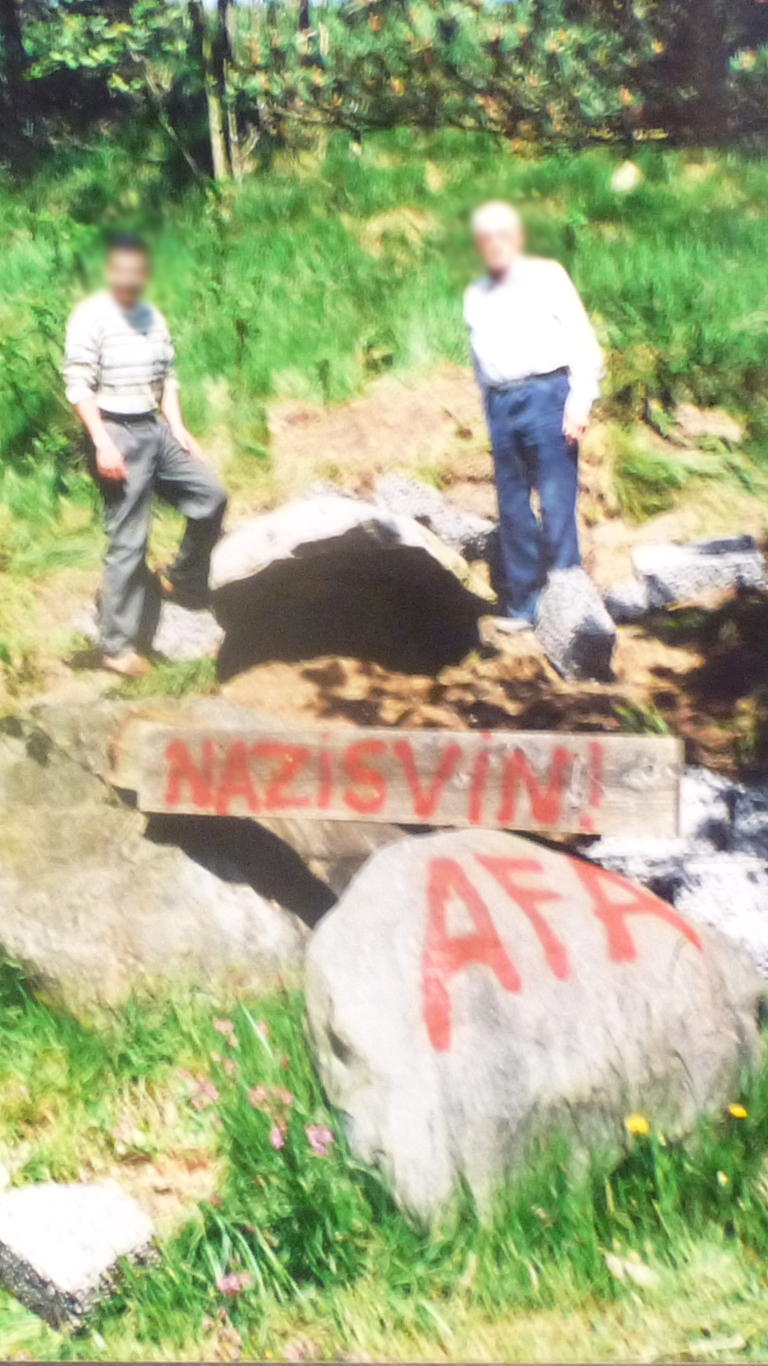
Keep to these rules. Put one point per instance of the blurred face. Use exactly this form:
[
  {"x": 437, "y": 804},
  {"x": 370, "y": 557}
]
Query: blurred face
[
  {"x": 127, "y": 274},
  {"x": 499, "y": 246}
]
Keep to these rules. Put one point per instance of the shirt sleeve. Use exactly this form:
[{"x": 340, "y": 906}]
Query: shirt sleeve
[
  {"x": 585, "y": 358},
  {"x": 80, "y": 367},
  {"x": 482, "y": 383}
]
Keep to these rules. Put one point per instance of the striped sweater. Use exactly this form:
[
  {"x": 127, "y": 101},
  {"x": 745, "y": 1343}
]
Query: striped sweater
[{"x": 124, "y": 358}]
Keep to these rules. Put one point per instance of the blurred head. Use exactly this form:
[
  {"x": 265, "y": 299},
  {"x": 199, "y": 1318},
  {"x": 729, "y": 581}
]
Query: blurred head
[
  {"x": 127, "y": 269},
  {"x": 499, "y": 236}
]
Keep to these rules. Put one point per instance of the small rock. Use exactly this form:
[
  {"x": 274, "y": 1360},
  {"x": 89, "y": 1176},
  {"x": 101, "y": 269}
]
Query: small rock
[
  {"x": 694, "y": 423},
  {"x": 180, "y": 634},
  {"x": 473, "y": 989},
  {"x": 408, "y": 497},
  {"x": 626, "y": 178},
  {"x": 59, "y": 1245},
  {"x": 573, "y": 626},
  {"x": 680, "y": 573},
  {"x": 627, "y": 602}
]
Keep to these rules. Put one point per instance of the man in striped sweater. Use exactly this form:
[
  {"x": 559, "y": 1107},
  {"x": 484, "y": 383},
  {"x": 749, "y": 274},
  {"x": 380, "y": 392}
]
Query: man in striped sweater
[{"x": 119, "y": 375}]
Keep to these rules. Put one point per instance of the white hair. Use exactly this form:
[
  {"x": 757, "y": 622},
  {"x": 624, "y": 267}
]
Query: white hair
[{"x": 495, "y": 216}]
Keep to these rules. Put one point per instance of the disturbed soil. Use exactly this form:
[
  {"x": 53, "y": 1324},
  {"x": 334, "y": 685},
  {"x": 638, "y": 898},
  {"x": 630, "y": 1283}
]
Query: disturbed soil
[{"x": 700, "y": 673}]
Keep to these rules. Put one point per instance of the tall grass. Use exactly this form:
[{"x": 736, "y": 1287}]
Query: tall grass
[{"x": 330, "y": 265}]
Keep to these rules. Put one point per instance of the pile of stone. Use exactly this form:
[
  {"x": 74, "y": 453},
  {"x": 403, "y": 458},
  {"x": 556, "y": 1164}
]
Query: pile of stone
[{"x": 716, "y": 871}]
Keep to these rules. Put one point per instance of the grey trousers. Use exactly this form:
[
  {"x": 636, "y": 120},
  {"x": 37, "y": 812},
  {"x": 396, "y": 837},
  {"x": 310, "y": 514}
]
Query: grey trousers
[{"x": 129, "y": 601}]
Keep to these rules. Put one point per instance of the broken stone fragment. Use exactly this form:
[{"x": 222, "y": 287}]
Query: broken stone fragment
[
  {"x": 627, "y": 602},
  {"x": 573, "y": 626},
  {"x": 409, "y": 497},
  {"x": 329, "y": 575},
  {"x": 680, "y": 573},
  {"x": 60, "y": 1245}
]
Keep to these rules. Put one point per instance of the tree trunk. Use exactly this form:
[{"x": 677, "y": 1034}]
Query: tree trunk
[
  {"x": 14, "y": 56},
  {"x": 222, "y": 166}
]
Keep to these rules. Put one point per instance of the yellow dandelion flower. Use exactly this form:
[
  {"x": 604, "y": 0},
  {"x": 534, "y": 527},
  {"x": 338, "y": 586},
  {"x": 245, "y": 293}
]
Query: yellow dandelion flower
[
  {"x": 637, "y": 1124},
  {"x": 722, "y": 1179},
  {"x": 738, "y": 1111}
]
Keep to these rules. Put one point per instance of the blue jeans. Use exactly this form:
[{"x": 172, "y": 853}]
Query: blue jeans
[{"x": 530, "y": 452}]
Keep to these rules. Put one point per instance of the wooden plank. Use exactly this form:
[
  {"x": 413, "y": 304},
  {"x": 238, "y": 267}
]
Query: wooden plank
[{"x": 566, "y": 783}]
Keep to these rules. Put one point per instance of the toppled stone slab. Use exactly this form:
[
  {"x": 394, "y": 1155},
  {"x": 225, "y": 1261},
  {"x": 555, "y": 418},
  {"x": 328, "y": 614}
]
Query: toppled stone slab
[
  {"x": 331, "y": 575},
  {"x": 180, "y": 634},
  {"x": 680, "y": 573},
  {"x": 60, "y": 1244},
  {"x": 716, "y": 871},
  {"x": 409, "y": 497},
  {"x": 573, "y": 626},
  {"x": 473, "y": 990}
]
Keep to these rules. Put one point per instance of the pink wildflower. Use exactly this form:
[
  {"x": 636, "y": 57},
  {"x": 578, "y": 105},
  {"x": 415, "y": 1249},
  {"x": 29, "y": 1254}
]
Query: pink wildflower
[
  {"x": 257, "y": 1096},
  {"x": 215, "y": 1057},
  {"x": 205, "y": 1092},
  {"x": 277, "y": 1135},
  {"x": 224, "y": 1026},
  {"x": 230, "y": 1067},
  {"x": 320, "y": 1139},
  {"x": 300, "y": 1349},
  {"x": 282, "y": 1095},
  {"x": 262, "y": 1029},
  {"x": 234, "y": 1283}
]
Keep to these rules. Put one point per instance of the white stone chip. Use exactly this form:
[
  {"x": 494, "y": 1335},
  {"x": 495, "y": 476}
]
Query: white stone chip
[{"x": 59, "y": 1244}]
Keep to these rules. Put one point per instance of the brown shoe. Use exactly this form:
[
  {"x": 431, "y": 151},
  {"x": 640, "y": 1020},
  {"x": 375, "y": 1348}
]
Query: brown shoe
[{"x": 128, "y": 665}]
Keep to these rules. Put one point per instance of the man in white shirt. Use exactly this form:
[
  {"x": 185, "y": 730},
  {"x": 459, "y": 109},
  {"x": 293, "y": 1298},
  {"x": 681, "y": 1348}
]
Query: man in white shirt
[
  {"x": 119, "y": 374},
  {"x": 538, "y": 365}
]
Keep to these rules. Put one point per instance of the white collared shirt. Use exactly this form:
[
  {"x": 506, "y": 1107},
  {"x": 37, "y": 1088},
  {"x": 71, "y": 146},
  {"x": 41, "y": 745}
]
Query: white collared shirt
[{"x": 530, "y": 323}]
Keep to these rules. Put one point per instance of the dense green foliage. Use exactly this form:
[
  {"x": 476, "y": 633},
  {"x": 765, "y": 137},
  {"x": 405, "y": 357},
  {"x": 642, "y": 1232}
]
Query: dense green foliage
[{"x": 217, "y": 85}]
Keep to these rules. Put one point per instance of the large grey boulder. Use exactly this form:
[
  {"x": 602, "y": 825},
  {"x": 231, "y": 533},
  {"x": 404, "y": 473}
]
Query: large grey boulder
[
  {"x": 681, "y": 573},
  {"x": 574, "y": 627},
  {"x": 408, "y": 497},
  {"x": 60, "y": 1245},
  {"x": 716, "y": 870},
  {"x": 331, "y": 575},
  {"x": 473, "y": 990},
  {"x": 97, "y": 910}
]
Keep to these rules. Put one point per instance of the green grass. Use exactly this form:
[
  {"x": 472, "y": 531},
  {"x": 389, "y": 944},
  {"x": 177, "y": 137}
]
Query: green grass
[{"x": 321, "y": 1246}]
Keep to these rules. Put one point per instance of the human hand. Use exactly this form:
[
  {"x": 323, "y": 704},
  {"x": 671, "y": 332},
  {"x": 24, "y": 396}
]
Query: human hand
[
  {"x": 187, "y": 442},
  {"x": 575, "y": 423},
  {"x": 109, "y": 460}
]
